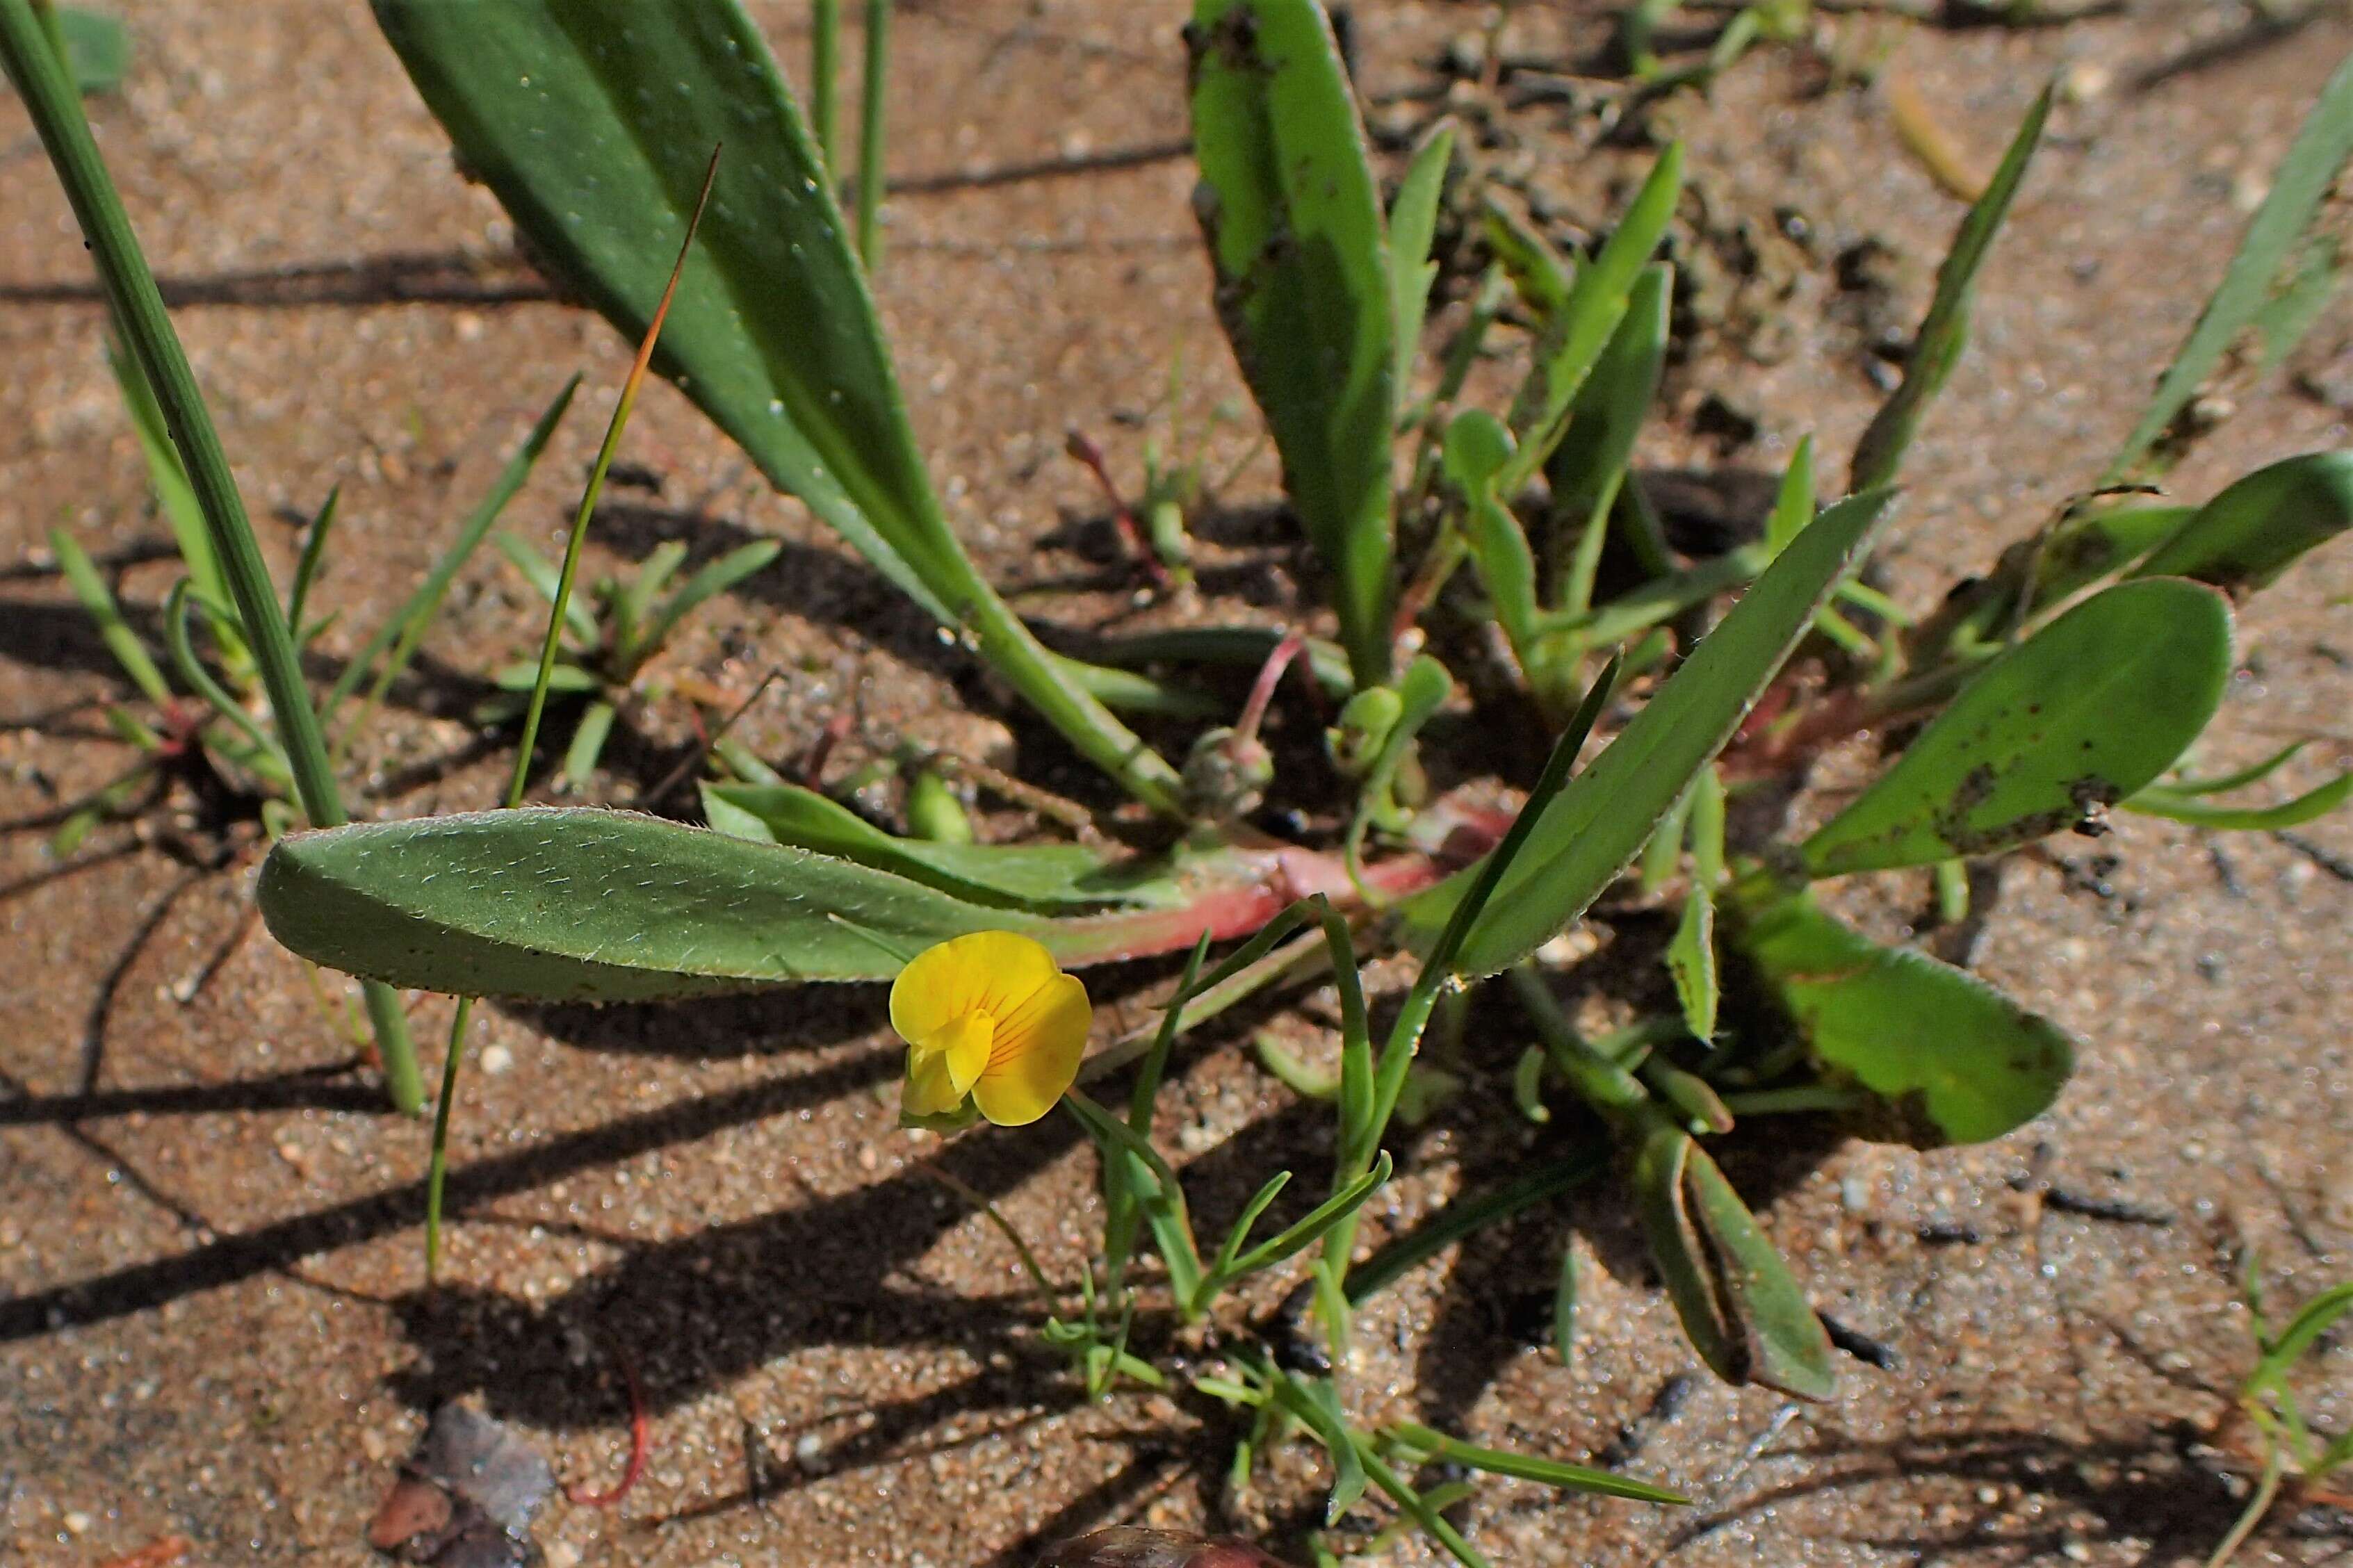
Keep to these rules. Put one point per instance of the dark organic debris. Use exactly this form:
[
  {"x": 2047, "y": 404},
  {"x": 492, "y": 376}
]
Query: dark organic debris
[
  {"x": 465, "y": 1496},
  {"x": 1860, "y": 1345},
  {"x": 1126, "y": 1547}
]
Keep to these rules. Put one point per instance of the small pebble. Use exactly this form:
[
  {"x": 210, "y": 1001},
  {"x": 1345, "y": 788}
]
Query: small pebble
[
  {"x": 497, "y": 1060},
  {"x": 77, "y": 1522}
]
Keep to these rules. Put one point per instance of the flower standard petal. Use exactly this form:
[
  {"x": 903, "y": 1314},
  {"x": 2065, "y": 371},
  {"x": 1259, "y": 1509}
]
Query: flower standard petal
[
  {"x": 1035, "y": 1056},
  {"x": 992, "y": 972}
]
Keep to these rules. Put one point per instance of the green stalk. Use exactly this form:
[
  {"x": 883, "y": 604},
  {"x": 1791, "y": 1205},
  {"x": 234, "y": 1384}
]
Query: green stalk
[
  {"x": 825, "y": 73},
  {"x": 437, "y": 1169},
  {"x": 145, "y": 326},
  {"x": 870, "y": 135}
]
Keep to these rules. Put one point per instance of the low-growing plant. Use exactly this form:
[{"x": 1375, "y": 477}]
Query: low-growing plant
[
  {"x": 2295, "y": 1458},
  {"x": 602, "y": 663},
  {"x": 2062, "y": 686}
]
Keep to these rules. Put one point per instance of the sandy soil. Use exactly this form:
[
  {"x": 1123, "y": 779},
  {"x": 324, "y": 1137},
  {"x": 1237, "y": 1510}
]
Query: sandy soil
[{"x": 210, "y": 1274}]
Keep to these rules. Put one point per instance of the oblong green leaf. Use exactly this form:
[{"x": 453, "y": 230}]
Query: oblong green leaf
[
  {"x": 1595, "y": 826},
  {"x": 1292, "y": 217},
  {"x": 1954, "y": 1060},
  {"x": 1041, "y": 877},
  {"x": 2255, "y": 530},
  {"x": 2088, "y": 711}
]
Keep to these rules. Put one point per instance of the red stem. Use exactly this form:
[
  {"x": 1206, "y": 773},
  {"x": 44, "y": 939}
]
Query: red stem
[
  {"x": 640, "y": 1441},
  {"x": 1092, "y": 456},
  {"x": 1270, "y": 675}
]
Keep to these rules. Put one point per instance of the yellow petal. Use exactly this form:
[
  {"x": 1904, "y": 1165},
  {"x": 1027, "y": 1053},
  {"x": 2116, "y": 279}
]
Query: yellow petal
[
  {"x": 1036, "y": 1054},
  {"x": 992, "y": 972},
  {"x": 965, "y": 1047},
  {"x": 929, "y": 1092}
]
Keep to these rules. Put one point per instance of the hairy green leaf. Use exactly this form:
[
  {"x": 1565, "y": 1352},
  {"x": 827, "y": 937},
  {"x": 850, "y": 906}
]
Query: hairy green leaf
[
  {"x": 2091, "y": 708},
  {"x": 1293, "y": 218}
]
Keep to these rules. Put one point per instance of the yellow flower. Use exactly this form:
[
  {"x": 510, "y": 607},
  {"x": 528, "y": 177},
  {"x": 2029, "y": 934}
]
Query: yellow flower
[{"x": 988, "y": 1016}]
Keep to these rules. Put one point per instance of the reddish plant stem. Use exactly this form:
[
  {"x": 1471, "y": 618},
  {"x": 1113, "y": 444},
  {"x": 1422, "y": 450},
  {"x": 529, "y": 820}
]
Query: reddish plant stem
[
  {"x": 171, "y": 1549},
  {"x": 1270, "y": 675},
  {"x": 1090, "y": 456},
  {"x": 640, "y": 1441}
]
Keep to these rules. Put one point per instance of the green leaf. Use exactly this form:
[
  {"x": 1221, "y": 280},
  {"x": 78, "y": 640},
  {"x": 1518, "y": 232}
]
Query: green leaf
[
  {"x": 1039, "y": 878},
  {"x": 708, "y": 582},
  {"x": 1597, "y": 825},
  {"x": 1477, "y": 449},
  {"x": 1317, "y": 1405},
  {"x": 1532, "y": 1467},
  {"x": 2186, "y": 806},
  {"x": 587, "y": 745},
  {"x": 2273, "y": 238},
  {"x": 1413, "y": 218},
  {"x": 2255, "y": 530},
  {"x": 590, "y": 905},
  {"x": 1945, "y": 332},
  {"x": 1574, "y": 340},
  {"x": 98, "y": 49},
  {"x": 2087, "y": 712},
  {"x": 1536, "y": 272},
  {"x": 98, "y": 603},
  {"x": 406, "y": 629},
  {"x": 1587, "y": 469},
  {"x": 1793, "y": 503},
  {"x": 1740, "y": 1308},
  {"x": 1293, "y": 218},
  {"x": 175, "y": 498},
  {"x": 593, "y": 122},
  {"x": 579, "y": 620},
  {"x": 1691, "y": 961},
  {"x": 1954, "y": 1060}
]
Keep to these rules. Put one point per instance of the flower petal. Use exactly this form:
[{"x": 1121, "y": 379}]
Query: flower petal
[
  {"x": 965, "y": 1047},
  {"x": 992, "y": 972},
  {"x": 928, "y": 1091},
  {"x": 1036, "y": 1054}
]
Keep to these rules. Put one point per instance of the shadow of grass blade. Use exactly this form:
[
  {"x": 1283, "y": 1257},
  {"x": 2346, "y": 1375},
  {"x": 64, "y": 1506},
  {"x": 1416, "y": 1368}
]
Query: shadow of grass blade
[
  {"x": 1597, "y": 825},
  {"x": 591, "y": 121},
  {"x": 1293, "y": 218},
  {"x": 137, "y": 306}
]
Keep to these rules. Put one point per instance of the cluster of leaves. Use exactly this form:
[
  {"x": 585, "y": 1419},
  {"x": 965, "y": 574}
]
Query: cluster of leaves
[{"x": 2068, "y": 681}]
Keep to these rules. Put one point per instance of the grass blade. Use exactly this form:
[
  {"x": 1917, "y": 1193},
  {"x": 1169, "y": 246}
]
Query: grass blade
[
  {"x": 2303, "y": 183},
  {"x": 98, "y": 603},
  {"x": 870, "y": 135},
  {"x": 306, "y": 570},
  {"x": 146, "y": 328},
  {"x": 1944, "y": 333}
]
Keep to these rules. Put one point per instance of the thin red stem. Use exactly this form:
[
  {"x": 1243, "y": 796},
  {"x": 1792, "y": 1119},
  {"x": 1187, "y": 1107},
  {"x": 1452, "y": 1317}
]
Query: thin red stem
[
  {"x": 1270, "y": 675},
  {"x": 1123, "y": 517},
  {"x": 640, "y": 1441}
]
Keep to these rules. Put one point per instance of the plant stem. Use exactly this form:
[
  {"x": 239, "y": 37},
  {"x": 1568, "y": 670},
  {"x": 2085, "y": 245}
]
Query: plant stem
[
  {"x": 824, "y": 72},
  {"x": 146, "y": 327},
  {"x": 870, "y": 135}
]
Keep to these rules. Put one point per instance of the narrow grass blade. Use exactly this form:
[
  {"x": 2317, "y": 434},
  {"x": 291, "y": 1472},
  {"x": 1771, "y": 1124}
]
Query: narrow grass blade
[
  {"x": 870, "y": 122},
  {"x": 146, "y": 328},
  {"x": 2297, "y": 190},
  {"x": 1466, "y": 1216},
  {"x": 716, "y": 578},
  {"x": 98, "y": 603},
  {"x": 1588, "y": 832},
  {"x": 1944, "y": 333},
  {"x": 1598, "y": 301},
  {"x": 1587, "y": 469},
  {"x": 588, "y": 740},
  {"x": 2182, "y": 807},
  {"x": 1413, "y": 218},
  {"x": 314, "y": 550},
  {"x": 1532, "y": 1467}
]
